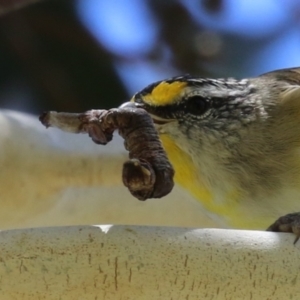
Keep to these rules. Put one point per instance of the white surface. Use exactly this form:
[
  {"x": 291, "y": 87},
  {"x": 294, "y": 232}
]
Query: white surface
[{"x": 127, "y": 262}]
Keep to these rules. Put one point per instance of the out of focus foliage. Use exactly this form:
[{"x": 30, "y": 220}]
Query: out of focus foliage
[{"x": 75, "y": 55}]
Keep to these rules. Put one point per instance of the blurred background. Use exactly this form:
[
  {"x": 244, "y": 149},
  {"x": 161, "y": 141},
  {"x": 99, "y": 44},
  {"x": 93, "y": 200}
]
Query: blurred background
[{"x": 75, "y": 55}]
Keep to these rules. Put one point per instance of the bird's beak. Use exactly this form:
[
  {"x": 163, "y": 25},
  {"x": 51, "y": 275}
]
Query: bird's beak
[
  {"x": 156, "y": 119},
  {"x": 131, "y": 104}
]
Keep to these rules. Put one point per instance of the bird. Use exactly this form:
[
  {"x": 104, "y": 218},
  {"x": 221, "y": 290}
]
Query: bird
[{"x": 234, "y": 144}]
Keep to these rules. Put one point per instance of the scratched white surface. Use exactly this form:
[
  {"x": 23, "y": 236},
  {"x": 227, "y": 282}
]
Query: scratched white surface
[{"x": 146, "y": 263}]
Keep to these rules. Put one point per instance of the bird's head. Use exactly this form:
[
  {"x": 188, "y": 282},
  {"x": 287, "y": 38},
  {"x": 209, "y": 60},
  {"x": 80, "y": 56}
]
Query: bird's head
[{"x": 196, "y": 109}]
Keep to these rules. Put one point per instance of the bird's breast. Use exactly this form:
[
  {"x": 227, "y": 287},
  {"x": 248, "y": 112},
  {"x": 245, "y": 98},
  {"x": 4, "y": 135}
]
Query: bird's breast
[{"x": 229, "y": 205}]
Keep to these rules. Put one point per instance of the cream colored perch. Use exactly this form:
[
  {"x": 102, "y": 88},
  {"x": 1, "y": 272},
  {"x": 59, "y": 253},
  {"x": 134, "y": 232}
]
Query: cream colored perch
[
  {"x": 147, "y": 263},
  {"x": 51, "y": 178}
]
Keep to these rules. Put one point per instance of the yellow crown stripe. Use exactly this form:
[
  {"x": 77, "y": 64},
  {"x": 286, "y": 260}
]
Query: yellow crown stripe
[{"x": 165, "y": 93}]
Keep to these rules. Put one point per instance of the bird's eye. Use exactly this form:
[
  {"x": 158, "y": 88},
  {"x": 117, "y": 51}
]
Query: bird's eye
[{"x": 197, "y": 105}]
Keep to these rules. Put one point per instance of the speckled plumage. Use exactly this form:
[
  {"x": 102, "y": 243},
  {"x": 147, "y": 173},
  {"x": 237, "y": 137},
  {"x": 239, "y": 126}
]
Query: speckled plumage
[{"x": 235, "y": 144}]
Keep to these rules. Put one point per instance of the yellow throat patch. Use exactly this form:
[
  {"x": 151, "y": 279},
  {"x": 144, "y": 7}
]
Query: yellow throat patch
[{"x": 191, "y": 179}]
